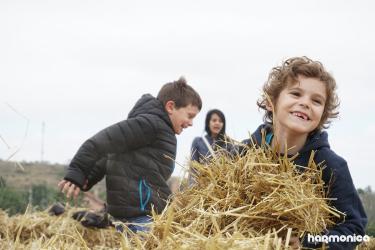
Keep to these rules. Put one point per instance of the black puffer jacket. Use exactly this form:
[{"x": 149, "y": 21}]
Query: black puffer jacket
[{"x": 136, "y": 155}]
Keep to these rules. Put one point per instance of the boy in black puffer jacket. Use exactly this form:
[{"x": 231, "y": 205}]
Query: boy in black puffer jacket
[{"x": 136, "y": 155}]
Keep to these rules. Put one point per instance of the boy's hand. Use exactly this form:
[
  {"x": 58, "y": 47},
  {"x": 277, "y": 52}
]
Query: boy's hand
[
  {"x": 295, "y": 243},
  {"x": 69, "y": 189}
]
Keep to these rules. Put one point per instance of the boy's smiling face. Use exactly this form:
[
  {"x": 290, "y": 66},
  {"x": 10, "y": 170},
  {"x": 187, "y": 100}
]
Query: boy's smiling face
[
  {"x": 181, "y": 117},
  {"x": 299, "y": 107}
]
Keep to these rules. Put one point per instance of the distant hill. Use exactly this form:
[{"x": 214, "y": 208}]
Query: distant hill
[{"x": 23, "y": 175}]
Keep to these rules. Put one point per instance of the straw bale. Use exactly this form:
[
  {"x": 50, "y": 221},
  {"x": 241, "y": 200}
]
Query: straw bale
[
  {"x": 260, "y": 192},
  {"x": 39, "y": 230},
  {"x": 3, "y": 224},
  {"x": 238, "y": 201},
  {"x": 370, "y": 245},
  {"x": 254, "y": 201},
  {"x": 169, "y": 234}
]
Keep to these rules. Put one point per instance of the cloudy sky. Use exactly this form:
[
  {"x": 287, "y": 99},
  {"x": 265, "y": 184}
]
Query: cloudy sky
[{"x": 79, "y": 66}]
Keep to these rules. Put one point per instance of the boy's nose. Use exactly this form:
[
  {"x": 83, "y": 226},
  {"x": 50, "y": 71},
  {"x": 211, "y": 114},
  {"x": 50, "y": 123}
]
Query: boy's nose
[
  {"x": 304, "y": 102},
  {"x": 305, "y": 106}
]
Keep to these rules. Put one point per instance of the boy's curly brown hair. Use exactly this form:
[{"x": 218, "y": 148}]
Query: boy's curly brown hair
[{"x": 281, "y": 76}]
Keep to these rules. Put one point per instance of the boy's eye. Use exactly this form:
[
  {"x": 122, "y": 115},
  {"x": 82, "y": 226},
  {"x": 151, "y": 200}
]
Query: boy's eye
[
  {"x": 295, "y": 93},
  {"x": 317, "y": 102}
]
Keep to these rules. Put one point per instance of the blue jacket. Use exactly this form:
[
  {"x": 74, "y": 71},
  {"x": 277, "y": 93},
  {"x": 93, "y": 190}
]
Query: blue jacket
[
  {"x": 341, "y": 187},
  {"x": 200, "y": 151}
]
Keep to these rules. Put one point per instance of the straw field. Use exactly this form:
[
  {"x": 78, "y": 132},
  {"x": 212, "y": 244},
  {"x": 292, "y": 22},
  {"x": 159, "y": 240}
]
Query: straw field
[{"x": 259, "y": 200}]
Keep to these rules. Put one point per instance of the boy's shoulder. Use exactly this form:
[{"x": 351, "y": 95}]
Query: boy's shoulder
[
  {"x": 147, "y": 105},
  {"x": 334, "y": 166},
  {"x": 150, "y": 109},
  {"x": 331, "y": 162},
  {"x": 319, "y": 142},
  {"x": 329, "y": 156},
  {"x": 256, "y": 136}
]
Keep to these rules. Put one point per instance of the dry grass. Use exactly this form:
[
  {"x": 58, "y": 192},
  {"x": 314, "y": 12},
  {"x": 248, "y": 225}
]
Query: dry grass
[
  {"x": 245, "y": 198},
  {"x": 368, "y": 245},
  {"x": 42, "y": 231},
  {"x": 257, "y": 201}
]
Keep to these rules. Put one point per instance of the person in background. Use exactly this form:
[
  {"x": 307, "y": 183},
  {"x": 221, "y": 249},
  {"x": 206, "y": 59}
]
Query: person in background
[{"x": 206, "y": 147}]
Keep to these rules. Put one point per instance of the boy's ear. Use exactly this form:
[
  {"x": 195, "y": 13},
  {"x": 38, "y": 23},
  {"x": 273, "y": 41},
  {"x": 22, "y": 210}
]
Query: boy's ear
[
  {"x": 269, "y": 106},
  {"x": 169, "y": 107}
]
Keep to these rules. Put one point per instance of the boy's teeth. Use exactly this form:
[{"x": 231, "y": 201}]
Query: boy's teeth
[{"x": 300, "y": 115}]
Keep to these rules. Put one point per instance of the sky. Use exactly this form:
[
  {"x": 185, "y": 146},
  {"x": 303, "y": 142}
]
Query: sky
[{"x": 80, "y": 66}]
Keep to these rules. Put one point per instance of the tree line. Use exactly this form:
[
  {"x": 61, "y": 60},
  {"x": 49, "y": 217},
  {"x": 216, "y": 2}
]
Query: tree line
[{"x": 40, "y": 197}]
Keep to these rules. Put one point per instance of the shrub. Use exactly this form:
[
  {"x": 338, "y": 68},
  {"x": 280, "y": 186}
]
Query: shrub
[{"x": 12, "y": 201}]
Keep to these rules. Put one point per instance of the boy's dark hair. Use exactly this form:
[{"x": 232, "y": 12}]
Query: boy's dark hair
[
  {"x": 280, "y": 77},
  {"x": 221, "y": 135},
  {"x": 181, "y": 93}
]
